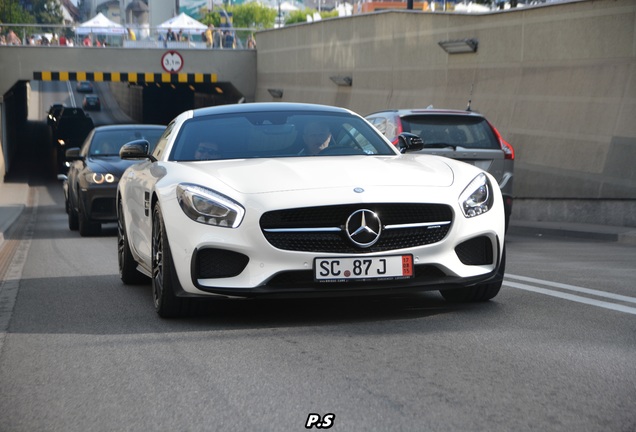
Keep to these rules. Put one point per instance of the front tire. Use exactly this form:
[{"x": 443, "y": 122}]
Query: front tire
[
  {"x": 73, "y": 218},
  {"x": 164, "y": 277},
  {"x": 478, "y": 293},
  {"x": 127, "y": 264}
]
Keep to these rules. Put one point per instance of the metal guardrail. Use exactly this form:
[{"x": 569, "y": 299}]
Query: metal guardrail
[{"x": 141, "y": 37}]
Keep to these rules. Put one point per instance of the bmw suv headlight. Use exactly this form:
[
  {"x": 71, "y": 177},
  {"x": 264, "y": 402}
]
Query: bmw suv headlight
[
  {"x": 477, "y": 198},
  {"x": 99, "y": 178},
  {"x": 209, "y": 207}
]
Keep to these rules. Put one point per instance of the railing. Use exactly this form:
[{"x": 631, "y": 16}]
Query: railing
[{"x": 125, "y": 37}]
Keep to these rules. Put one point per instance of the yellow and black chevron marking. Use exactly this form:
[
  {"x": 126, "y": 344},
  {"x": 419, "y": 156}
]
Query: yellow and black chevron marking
[{"x": 131, "y": 77}]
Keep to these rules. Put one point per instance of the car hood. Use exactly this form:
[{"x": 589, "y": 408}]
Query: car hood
[
  {"x": 251, "y": 176},
  {"x": 109, "y": 164}
]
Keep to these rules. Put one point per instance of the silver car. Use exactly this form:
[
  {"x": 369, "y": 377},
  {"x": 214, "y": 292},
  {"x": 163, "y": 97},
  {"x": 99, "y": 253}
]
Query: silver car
[{"x": 462, "y": 135}]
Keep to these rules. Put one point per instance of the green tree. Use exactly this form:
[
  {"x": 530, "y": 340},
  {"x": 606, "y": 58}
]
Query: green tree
[
  {"x": 13, "y": 13},
  {"x": 252, "y": 15},
  {"x": 48, "y": 12},
  {"x": 300, "y": 16},
  {"x": 213, "y": 18},
  {"x": 248, "y": 15}
]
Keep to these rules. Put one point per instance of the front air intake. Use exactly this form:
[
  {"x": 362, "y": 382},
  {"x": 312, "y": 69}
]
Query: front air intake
[
  {"x": 476, "y": 251},
  {"x": 218, "y": 263}
]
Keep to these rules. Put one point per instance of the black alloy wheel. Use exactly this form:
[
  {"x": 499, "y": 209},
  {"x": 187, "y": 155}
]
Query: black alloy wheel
[
  {"x": 164, "y": 277},
  {"x": 127, "y": 264}
]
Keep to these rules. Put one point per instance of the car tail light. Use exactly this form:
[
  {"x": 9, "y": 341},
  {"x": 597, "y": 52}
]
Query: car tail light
[
  {"x": 398, "y": 131},
  {"x": 509, "y": 152}
]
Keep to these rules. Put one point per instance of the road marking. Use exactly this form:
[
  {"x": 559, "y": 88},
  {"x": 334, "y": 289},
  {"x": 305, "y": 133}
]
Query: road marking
[
  {"x": 573, "y": 297},
  {"x": 574, "y": 288},
  {"x": 71, "y": 95}
]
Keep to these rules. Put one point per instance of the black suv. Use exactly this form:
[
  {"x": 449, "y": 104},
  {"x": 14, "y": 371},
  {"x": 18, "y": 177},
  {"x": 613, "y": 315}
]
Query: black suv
[{"x": 72, "y": 127}]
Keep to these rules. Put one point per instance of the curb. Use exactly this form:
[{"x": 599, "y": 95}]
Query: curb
[{"x": 623, "y": 235}]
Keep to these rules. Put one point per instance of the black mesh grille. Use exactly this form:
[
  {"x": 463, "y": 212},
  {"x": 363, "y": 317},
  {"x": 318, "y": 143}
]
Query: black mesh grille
[
  {"x": 336, "y": 217},
  {"x": 219, "y": 263},
  {"x": 103, "y": 207},
  {"x": 476, "y": 251}
]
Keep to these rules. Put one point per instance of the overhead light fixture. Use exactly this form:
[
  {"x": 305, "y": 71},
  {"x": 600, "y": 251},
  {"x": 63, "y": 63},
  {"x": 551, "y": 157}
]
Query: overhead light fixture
[
  {"x": 459, "y": 46},
  {"x": 342, "y": 80},
  {"x": 276, "y": 93}
]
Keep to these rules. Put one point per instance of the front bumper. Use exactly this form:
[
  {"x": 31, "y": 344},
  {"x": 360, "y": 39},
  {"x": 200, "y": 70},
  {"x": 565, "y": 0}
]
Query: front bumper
[
  {"x": 245, "y": 264},
  {"x": 98, "y": 201}
]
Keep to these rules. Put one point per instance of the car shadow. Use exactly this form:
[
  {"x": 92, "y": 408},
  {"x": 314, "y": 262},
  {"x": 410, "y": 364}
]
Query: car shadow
[{"x": 104, "y": 305}]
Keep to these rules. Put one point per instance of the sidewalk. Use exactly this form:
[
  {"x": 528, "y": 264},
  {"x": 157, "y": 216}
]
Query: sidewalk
[{"x": 13, "y": 199}]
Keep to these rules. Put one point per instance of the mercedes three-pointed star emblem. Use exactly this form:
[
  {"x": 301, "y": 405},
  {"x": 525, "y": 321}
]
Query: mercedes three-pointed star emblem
[{"x": 363, "y": 228}]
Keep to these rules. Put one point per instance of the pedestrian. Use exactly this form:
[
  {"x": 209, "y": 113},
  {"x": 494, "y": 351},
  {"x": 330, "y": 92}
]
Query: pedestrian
[
  {"x": 170, "y": 36},
  {"x": 251, "y": 42},
  {"x": 62, "y": 40},
  {"x": 87, "y": 41},
  {"x": 228, "y": 40},
  {"x": 209, "y": 39},
  {"x": 217, "y": 38},
  {"x": 13, "y": 39}
]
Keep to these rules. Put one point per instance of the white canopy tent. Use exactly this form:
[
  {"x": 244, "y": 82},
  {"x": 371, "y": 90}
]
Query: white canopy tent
[
  {"x": 183, "y": 22},
  {"x": 288, "y": 7},
  {"x": 101, "y": 25}
]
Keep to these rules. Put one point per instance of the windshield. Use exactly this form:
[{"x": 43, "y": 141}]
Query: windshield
[
  {"x": 276, "y": 134},
  {"x": 108, "y": 143},
  {"x": 454, "y": 131}
]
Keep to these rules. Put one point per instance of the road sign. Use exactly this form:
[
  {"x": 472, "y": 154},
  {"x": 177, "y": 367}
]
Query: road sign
[{"x": 172, "y": 62}]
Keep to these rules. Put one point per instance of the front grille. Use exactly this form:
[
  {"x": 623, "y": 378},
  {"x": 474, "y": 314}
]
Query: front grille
[
  {"x": 103, "y": 208},
  {"x": 476, "y": 251},
  {"x": 303, "y": 229},
  {"x": 218, "y": 263}
]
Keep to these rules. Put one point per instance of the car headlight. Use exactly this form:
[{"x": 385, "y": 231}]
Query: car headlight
[
  {"x": 477, "y": 198},
  {"x": 209, "y": 207},
  {"x": 99, "y": 178}
]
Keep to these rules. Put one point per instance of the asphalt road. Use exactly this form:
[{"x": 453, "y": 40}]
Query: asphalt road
[{"x": 79, "y": 351}]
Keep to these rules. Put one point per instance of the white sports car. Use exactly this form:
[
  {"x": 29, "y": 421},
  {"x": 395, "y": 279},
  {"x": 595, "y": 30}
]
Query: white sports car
[{"x": 288, "y": 200}]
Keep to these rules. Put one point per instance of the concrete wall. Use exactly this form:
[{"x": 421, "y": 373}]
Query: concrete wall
[{"x": 558, "y": 81}]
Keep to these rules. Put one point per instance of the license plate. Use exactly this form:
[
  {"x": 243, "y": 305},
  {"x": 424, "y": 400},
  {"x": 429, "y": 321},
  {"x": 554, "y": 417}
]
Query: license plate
[{"x": 368, "y": 268}]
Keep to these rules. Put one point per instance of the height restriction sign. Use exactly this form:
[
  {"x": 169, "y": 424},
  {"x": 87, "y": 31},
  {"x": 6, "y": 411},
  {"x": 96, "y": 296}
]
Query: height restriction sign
[{"x": 172, "y": 62}]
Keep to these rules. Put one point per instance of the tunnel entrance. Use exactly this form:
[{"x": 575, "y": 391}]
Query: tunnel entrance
[{"x": 164, "y": 101}]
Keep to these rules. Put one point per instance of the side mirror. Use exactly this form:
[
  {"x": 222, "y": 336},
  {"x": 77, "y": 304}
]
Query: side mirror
[
  {"x": 73, "y": 154},
  {"x": 137, "y": 149},
  {"x": 408, "y": 142}
]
